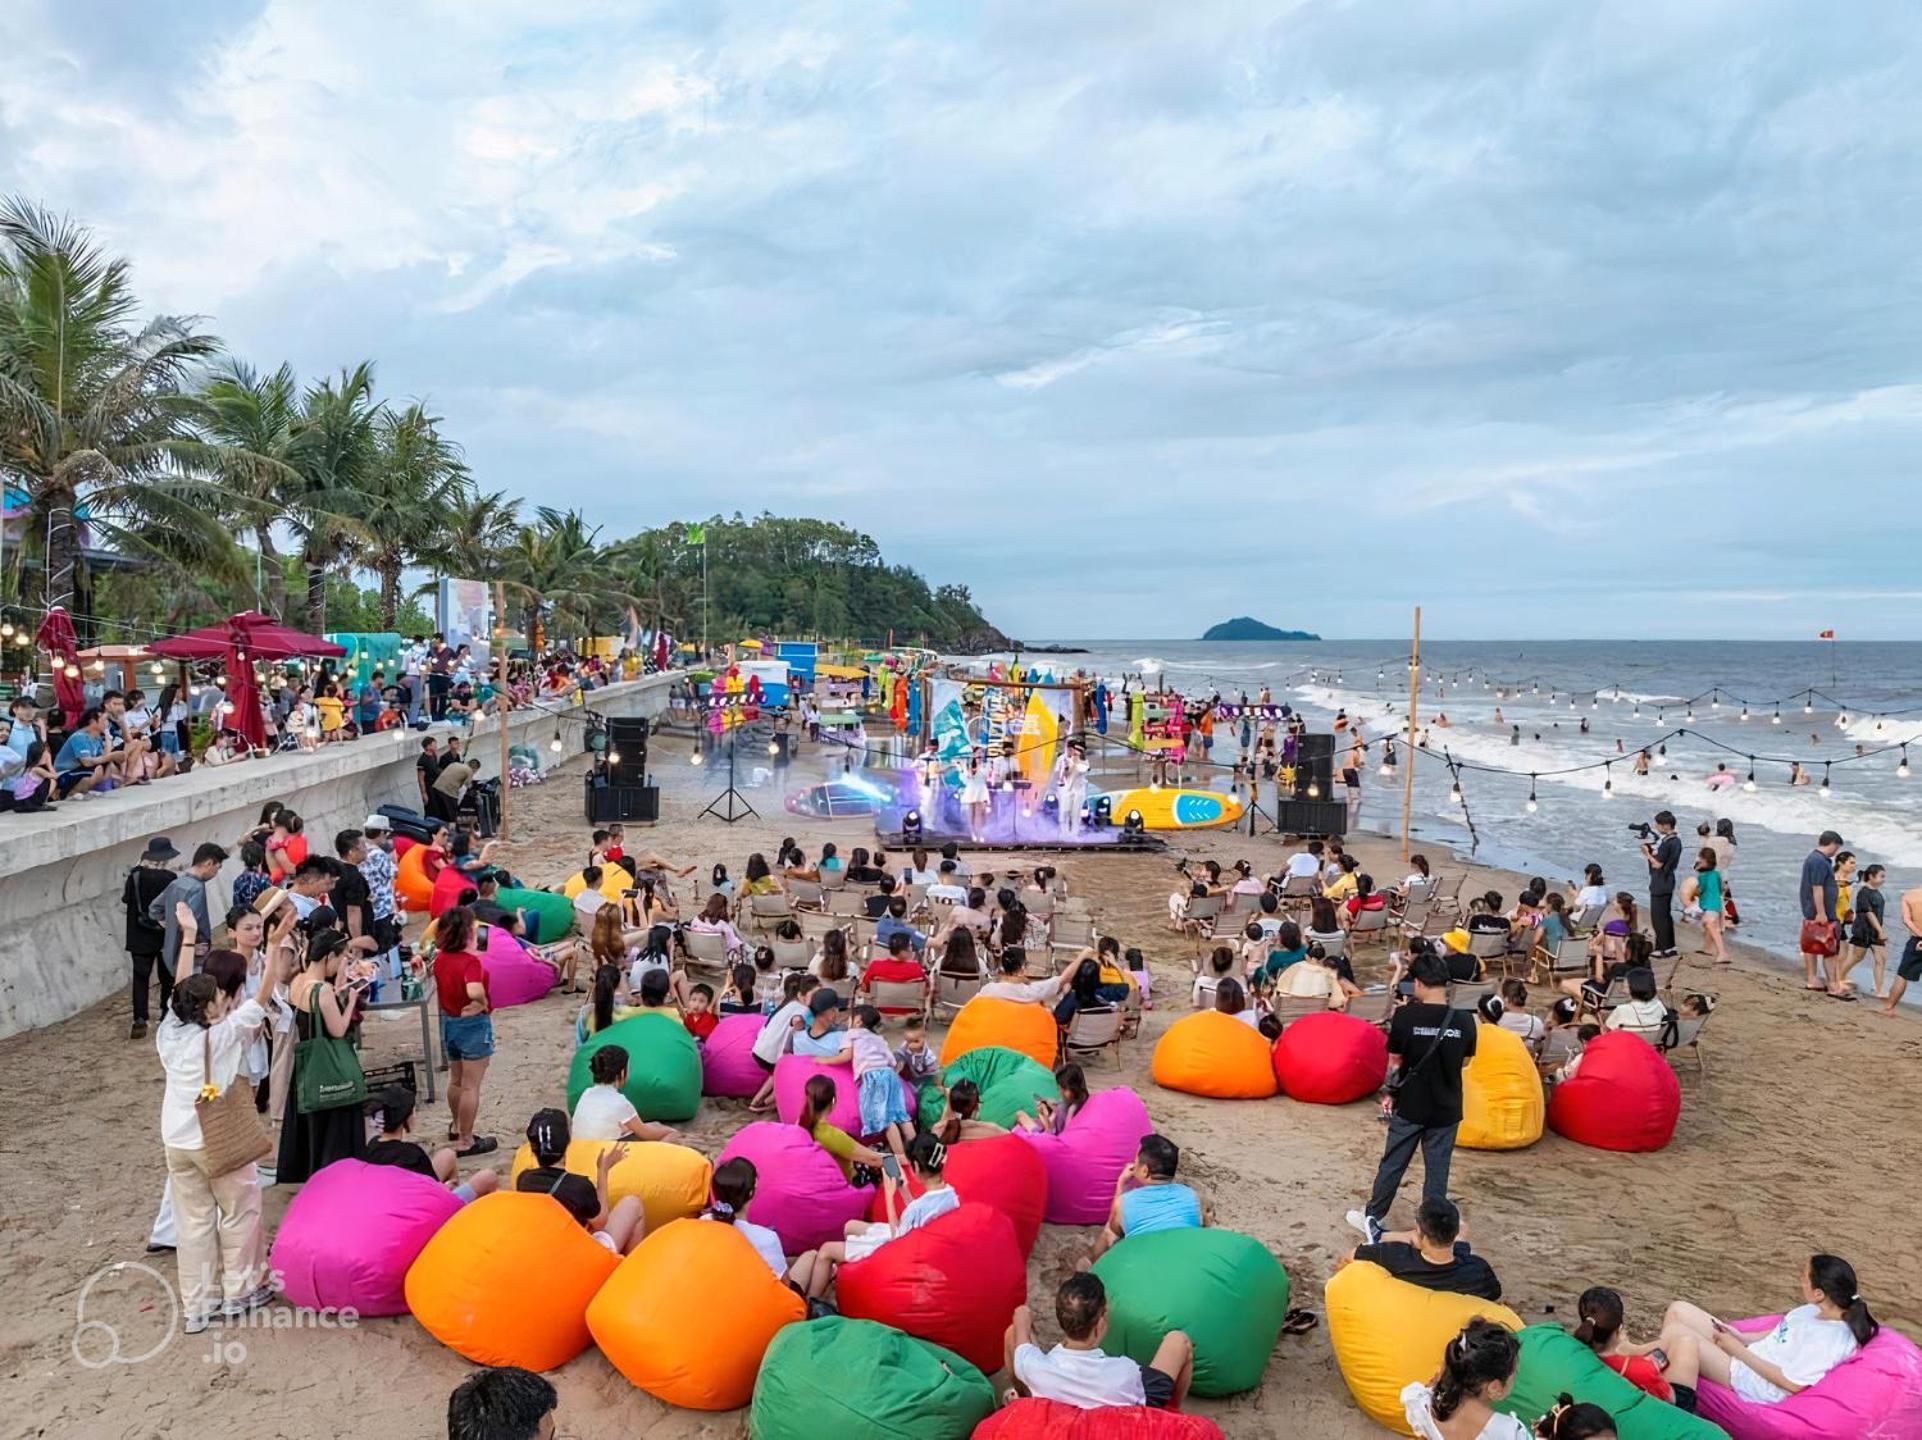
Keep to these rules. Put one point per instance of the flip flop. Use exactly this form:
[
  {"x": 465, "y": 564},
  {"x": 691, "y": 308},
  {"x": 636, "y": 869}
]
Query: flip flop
[
  {"x": 1299, "y": 1322},
  {"x": 1841, "y": 994}
]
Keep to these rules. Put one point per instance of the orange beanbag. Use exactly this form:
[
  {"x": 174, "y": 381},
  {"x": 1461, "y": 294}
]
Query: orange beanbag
[
  {"x": 1209, "y": 1053},
  {"x": 507, "y": 1282},
  {"x": 956, "y": 1281},
  {"x": 410, "y": 879},
  {"x": 1016, "y": 1024},
  {"x": 689, "y": 1314}
]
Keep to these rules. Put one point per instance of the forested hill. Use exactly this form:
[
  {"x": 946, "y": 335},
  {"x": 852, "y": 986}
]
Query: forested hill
[{"x": 805, "y": 577}]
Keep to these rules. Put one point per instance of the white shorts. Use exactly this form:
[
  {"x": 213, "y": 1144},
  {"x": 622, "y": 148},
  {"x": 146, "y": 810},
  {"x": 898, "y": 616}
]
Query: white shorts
[
  {"x": 602, "y": 1238},
  {"x": 859, "y": 1247}
]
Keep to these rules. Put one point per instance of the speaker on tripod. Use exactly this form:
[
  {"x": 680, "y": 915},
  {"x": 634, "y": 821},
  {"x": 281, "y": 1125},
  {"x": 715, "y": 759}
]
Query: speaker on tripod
[{"x": 627, "y": 738}]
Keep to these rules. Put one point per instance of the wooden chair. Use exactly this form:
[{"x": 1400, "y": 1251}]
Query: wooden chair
[{"x": 1093, "y": 1029}]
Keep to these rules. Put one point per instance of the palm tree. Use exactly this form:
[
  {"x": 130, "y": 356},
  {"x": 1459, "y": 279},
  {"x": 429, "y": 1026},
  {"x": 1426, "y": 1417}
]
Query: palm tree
[
  {"x": 93, "y": 407},
  {"x": 418, "y": 480},
  {"x": 254, "y": 420},
  {"x": 336, "y": 453},
  {"x": 474, "y": 535},
  {"x": 556, "y": 568}
]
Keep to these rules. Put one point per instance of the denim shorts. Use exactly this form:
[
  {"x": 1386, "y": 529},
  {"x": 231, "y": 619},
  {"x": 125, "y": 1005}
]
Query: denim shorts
[{"x": 467, "y": 1037}]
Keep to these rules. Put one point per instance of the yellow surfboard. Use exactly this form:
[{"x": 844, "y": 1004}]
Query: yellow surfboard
[
  {"x": 1171, "y": 809},
  {"x": 1035, "y": 743}
]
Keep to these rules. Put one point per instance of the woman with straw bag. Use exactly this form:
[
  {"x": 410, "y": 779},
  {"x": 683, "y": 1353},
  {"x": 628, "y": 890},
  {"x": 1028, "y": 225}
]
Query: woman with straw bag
[{"x": 213, "y": 1137}]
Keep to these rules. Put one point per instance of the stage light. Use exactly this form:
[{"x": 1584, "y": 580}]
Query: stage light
[
  {"x": 1132, "y": 827},
  {"x": 1103, "y": 812},
  {"x": 911, "y": 826}
]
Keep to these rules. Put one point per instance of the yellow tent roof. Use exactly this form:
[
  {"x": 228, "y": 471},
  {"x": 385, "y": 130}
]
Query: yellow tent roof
[{"x": 839, "y": 672}]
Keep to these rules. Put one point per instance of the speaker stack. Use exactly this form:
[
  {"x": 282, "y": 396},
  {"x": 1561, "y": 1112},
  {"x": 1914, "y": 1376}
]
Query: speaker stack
[
  {"x": 1314, "y": 767},
  {"x": 1315, "y": 809},
  {"x": 622, "y": 792}
]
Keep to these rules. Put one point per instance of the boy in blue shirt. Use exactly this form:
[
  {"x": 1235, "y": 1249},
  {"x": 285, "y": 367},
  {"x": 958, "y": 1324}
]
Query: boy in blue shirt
[
  {"x": 1148, "y": 1198},
  {"x": 84, "y": 760}
]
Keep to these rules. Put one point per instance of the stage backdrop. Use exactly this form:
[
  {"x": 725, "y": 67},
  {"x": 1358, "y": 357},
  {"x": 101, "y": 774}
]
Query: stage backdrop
[
  {"x": 1036, "y": 717},
  {"x": 466, "y": 616}
]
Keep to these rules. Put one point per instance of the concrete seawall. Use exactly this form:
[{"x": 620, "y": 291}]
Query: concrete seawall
[{"x": 62, "y": 925}]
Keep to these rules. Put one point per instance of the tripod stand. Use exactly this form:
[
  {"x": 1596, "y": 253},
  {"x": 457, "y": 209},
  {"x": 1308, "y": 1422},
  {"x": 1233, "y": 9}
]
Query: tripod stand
[{"x": 730, "y": 805}]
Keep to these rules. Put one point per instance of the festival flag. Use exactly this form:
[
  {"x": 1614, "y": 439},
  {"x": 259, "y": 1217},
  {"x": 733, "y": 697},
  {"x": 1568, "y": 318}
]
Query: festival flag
[
  {"x": 1826, "y": 635},
  {"x": 697, "y": 534}
]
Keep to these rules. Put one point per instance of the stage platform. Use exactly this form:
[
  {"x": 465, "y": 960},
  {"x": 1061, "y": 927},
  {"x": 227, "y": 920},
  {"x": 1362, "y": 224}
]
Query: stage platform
[{"x": 1086, "y": 842}]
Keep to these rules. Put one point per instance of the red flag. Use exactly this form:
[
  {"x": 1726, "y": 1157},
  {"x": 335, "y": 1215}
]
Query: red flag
[{"x": 1826, "y": 635}]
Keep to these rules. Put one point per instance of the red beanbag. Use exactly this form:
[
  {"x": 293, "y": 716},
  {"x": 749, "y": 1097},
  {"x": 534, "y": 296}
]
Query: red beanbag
[
  {"x": 1623, "y": 1096},
  {"x": 447, "y": 890},
  {"x": 1051, "y": 1420},
  {"x": 956, "y": 1281},
  {"x": 1330, "y": 1059},
  {"x": 1000, "y": 1171}
]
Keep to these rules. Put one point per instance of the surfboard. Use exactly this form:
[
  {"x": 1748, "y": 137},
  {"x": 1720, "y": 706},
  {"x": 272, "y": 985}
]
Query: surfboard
[
  {"x": 1171, "y": 809},
  {"x": 1035, "y": 745}
]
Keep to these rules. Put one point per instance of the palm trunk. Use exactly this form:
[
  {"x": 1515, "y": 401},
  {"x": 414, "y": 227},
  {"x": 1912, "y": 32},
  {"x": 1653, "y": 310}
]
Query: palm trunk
[
  {"x": 275, "y": 599},
  {"x": 316, "y": 598},
  {"x": 53, "y": 517},
  {"x": 389, "y": 572}
]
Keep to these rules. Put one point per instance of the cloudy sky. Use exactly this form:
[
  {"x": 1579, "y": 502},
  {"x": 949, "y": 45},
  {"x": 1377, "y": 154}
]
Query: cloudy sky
[{"x": 1563, "y": 319}]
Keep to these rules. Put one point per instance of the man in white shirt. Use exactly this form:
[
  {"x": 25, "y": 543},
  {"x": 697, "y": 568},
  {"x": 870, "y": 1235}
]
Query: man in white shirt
[
  {"x": 1305, "y": 864},
  {"x": 1077, "y": 1372},
  {"x": 949, "y": 886},
  {"x": 1014, "y": 964}
]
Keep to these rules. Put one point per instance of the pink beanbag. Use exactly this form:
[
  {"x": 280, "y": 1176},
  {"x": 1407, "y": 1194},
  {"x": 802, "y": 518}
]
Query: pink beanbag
[
  {"x": 1876, "y": 1394},
  {"x": 728, "y": 1066},
  {"x": 1330, "y": 1059},
  {"x": 791, "y": 1075},
  {"x": 513, "y": 976},
  {"x": 1084, "y": 1160},
  {"x": 352, "y": 1232},
  {"x": 799, "y": 1191},
  {"x": 1624, "y": 1097}
]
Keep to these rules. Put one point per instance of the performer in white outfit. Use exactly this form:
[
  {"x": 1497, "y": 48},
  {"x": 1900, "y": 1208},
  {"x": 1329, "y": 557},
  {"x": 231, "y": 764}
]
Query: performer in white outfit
[
  {"x": 974, "y": 790},
  {"x": 1071, "y": 786}
]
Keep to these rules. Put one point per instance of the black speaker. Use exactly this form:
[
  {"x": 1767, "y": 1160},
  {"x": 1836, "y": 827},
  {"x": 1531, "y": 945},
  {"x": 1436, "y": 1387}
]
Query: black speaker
[
  {"x": 627, "y": 738},
  {"x": 1311, "y": 746},
  {"x": 1318, "y": 818},
  {"x": 622, "y": 802},
  {"x": 1317, "y": 774}
]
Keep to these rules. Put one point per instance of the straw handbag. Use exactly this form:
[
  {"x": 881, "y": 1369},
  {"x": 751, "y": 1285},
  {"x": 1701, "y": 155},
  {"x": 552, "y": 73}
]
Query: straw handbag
[{"x": 231, "y": 1134}]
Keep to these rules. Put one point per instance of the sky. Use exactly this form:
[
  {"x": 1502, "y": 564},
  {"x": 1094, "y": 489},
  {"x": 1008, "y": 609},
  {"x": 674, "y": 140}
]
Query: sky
[{"x": 1560, "y": 319}]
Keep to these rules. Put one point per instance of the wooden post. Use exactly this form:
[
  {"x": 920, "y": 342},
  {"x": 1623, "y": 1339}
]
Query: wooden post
[
  {"x": 502, "y": 704},
  {"x": 1408, "y": 750}
]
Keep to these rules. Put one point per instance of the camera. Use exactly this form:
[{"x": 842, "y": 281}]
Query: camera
[{"x": 1643, "y": 829}]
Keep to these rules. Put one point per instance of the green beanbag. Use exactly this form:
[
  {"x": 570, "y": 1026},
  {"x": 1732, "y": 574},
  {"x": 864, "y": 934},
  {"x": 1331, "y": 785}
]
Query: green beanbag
[
  {"x": 857, "y": 1380},
  {"x": 663, "y": 1066},
  {"x": 1222, "y": 1288},
  {"x": 553, "y": 914},
  {"x": 1554, "y": 1363},
  {"x": 1008, "y": 1079}
]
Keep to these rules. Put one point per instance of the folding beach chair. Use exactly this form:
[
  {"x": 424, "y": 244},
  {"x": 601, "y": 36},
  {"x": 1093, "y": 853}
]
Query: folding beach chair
[
  {"x": 1370, "y": 928},
  {"x": 1290, "y": 1008},
  {"x": 951, "y": 992},
  {"x": 765, "y": 912},
  {"x": 792, "y": 954},
  {"x": 1093, "y": 1029},
  {"x": 805, "y": 895},
  {"x": 901, "y": 997},
  {"x": 1374, "y": 1006}
]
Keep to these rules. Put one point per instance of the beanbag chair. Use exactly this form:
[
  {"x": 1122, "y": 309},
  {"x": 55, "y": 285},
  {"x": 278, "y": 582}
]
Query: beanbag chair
[
  {"x": 791, "y": 1075},
  {"x": 1624, "y": 1097},
  {"x": 1008, "y": 1081},
  {"x": 1222, "y": 1288},
  {"x": 998, "y": 1171},
  {"x": 654, "y": 1323},
  {"x": 514, "y": 977},
  {"x": 1502, "y": 1102},
  {"x": 728, "y": 1066},
  {"x": 446, "y": 891},
  {"x": 663, "y": 1066},
  {"x": 856, "y": 1380},
  {"x": 1386, "y": 1332},
  {"x": 669, "y": 1180},
  {"x": 1012, "y": 1024},
  {"x": 1209, "y": 1053},
  {"x": 1555, "y": 1363},
  {"x": 1876, "y": 1394},
  {"x": 410, "y": 880},
  {"x": 549, "y": 916},
  {"x": 1031, "y": 1419},
  {"x": 615, "y": 878},
  {"x": 507, "y": 1281},
  {"x": 402, "y": 844},
  {"x": 799, "y": 1191},
  {"x": 1329, "y": 1058},
  {"x": 352, "y": 1231},
  {"x": 955, "y": 1281},
  {"x": 1085, "y": 1160}
]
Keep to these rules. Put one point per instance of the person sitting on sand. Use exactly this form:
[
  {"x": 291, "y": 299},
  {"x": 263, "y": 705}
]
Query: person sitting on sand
[
  {"x": 1433, "y": 1255},
  {"x": 397, "y": 1147},
  {"x": 1147, "y": 1197},
  {"x": 620, "y": 1226},
  {"x": 1077, "y": 1372},
  {"x": 1667, "y": 1369},
  {"x": 1767, "y": 1363},
  {"x": 927, "y": 1156},
  {"x": 1477, "y": 1370},
  {"x": 605, "y": 1113},
  {"x": 502, "y": 1403}
]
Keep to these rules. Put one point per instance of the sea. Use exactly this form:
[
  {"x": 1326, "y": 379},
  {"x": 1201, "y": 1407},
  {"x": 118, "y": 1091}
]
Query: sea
[{"x": 1747, "y": 705}]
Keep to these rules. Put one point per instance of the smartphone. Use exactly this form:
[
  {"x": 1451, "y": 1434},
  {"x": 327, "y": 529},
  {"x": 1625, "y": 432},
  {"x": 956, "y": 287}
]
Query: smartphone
[
  {"x": 891, "y": 1167},
  {"x": 1042, "y": 1101},
  {"x": 630, "y": 894}
]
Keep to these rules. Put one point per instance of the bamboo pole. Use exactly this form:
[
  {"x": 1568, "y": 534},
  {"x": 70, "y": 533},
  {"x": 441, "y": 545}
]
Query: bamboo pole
[
  {"x": 1408, "y": 750},
  {"x": 501, "y": 701}
]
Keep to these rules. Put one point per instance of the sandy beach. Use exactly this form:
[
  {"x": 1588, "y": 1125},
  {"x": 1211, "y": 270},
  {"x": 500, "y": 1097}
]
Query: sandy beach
[{"x": 1793, "y": 1141}]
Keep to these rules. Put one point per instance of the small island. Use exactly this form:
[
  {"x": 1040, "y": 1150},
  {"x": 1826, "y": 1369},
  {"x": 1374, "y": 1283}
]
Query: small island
[{"x": 1244, "y": 628}]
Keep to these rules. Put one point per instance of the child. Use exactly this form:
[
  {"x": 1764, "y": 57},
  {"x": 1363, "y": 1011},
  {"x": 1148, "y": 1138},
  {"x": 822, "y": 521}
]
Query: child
[
  {"x": 1515, "y": 1014},
  {"x": 878, "y": 1088},
  {"x": 916, "y": 1061},
  {"x": 822, "y": 1039},
  {"x": 777, "y": 1036},
  {"x": 616, "y": 849},
  {"x": 618, "y": 1227},
  {"x": 1053, "y": 1118},
  {"x": 29, "y": 788},
  {"x": 1582, "y": 1036},
  {"x": 700, "y": 1018},
  {"x": 603, "y": 1112},
  {"x": 332, "y": 714},
  {"x": 769, "y": 983},
  {"x": 394, "y": 1147},
  {"x": 1079, "y": 1372},
  {"x": 1254, "y": 952},
  {"x": 731, "y": 1190},
  {"x": 959, "y": 1122},
  {"x": 928, "y": 1156},
  {"x": 1221, "y": 965},
  {"x": 1138, "y": 967},
  {"x": 737, "y": 996}
]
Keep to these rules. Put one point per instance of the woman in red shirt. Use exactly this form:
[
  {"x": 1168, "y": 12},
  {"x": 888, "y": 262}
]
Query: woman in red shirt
[
  {"x": 1366, "y": 897},
  {"x": 466, "y": 1026},
  {"x": 1669, "y": 1375}
]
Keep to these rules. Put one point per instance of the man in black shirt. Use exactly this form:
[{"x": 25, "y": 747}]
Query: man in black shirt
[
  {"x": 877, "y": 904},
  {"x": 1663, "y": 853},
  {"x": 618, "y": 1227},
  {"x": 487, "y": 909},
  {"x": 147, "y": 937},
  {"x": 426, "y": 768},
  {"x": 352, "y": 900},
  {"x": 1431, "y": 1042},
  {"x": 1432, "y": 1255}
]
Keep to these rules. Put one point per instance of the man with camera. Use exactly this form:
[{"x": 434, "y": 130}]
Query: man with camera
[{"x": 1662, "y": 849}]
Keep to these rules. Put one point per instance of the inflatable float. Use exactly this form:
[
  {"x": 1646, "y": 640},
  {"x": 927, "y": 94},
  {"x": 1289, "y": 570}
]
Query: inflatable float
[{"x": 1170, "y": 809}]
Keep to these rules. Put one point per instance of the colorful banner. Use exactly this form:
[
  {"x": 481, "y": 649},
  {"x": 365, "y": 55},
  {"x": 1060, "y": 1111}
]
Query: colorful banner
[
  {"x": 464, "y": 613},
  {"x": 1036, "y": 719}
]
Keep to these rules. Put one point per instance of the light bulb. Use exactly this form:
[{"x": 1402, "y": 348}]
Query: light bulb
[
  {"x": 613, "y": 757},
  {"x": 1776, "y": 719},
  {"x": 6, "y": 631},
  {"x": 1387, "y": 770},
  {"x": 695, "y": 758},
  {"x": 1714, "y": 704},
  {"x": 1824, "y": 791},
  {"x": 1749, "y": 784},
  {"x": 1154, "y": 787},
  {"x": 1808, "y": 708},
  {"x": 1314, "y": 790},
  {"x": 1745, "y": 712},
  {"x": 1902, "y": 768},
  {"x": 1532, "y": 807},
  {"x": 1690, "y": 715},
  {"x": 1842, "y": 720},
  {"x": 193, "y": 690},
  {"x": 555, "y": 745},
  {"x": 73, "y": 671},
  {"x": 1454, "y": 794},
  {"x": 774, "y": 747}
]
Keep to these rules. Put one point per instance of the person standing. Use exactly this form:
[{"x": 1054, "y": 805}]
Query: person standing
[
  {"x": 440, "y": 676},
  {"x": 413, "y": 667},
  {"x": 378, "y": 869},
  {"x": 466, "y": 1025},
  {"x": 190, "y": 889},
  {"x": 1663, "y": 854},
  {"x": 1910, "y": 968},
  {"x": 1821, "y": 936},
  {"x": 1429, "y": 1043},
  {"x": 146, "y": 936},
  {"x": 426, "y": 767}
]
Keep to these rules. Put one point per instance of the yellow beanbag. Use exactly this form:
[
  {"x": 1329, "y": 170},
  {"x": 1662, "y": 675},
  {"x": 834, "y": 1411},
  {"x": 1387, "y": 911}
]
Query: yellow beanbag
[
  {"x": 1209, "y": 1053},
  {"x": 689, "y": 1314},
  {"x": 669, "y": 1180},
  {"x": 1502, "y": 1102},
  {"x": 506, "y": 1281},
  {"x": 1013, "y": 1024},
  {"x": 1387, "y": 1332}
]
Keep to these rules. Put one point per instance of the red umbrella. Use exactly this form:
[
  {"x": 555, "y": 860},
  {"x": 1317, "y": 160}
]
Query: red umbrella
[
  {"x": 56, "y": 634},
  {"x": 243, "y": 697},
  {"x": 264, "y": 637}
]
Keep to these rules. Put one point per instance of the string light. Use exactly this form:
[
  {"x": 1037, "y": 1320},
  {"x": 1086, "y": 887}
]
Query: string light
[
  {"x": 774, "y": 747},
  {"x": 1314, "y": 790},
  {"x": 1532, "y": 807},
  {"x": 1902, "y": 768},
  {"x": 1824, "y": 791},
  {"x": 1745, "y": 714},
  {"x": 1749, "y": 784},
  {"x": 1454, "y": 792},
  {"x": 1842, "y": 721},
  {"x": 613, "y": 757},
  {"x": 1777, "y": 719},
  {"x": 1808, "y": 706},
  {"x": 695, "y": 758},
  {"x": 1608, "y": 781},
  {"x": 555, "y": 744},
  {"x": 6, "y": 631}
]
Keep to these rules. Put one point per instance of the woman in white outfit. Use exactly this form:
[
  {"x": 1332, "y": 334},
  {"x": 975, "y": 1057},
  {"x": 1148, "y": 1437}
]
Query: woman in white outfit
[
  {"x": 975, "y": 795},
  {"x": 1478, "y": 1369}
]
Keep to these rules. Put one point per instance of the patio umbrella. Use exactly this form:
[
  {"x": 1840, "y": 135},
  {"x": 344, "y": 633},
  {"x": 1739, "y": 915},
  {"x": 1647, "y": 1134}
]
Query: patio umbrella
[
  {"x": 243, "y": 698},
  {"x": 264, "y": 637},
  {"x": 56, "y": 634}
]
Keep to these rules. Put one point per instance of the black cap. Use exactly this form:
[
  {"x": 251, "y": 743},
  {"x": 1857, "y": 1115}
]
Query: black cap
[{"x": 824, "y": 1000}]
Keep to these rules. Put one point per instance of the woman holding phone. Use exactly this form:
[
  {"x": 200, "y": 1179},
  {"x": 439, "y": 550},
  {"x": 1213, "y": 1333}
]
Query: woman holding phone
[
  {"x": 325, "y": 996},
  {"x": 1772, "y": 1360}
]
